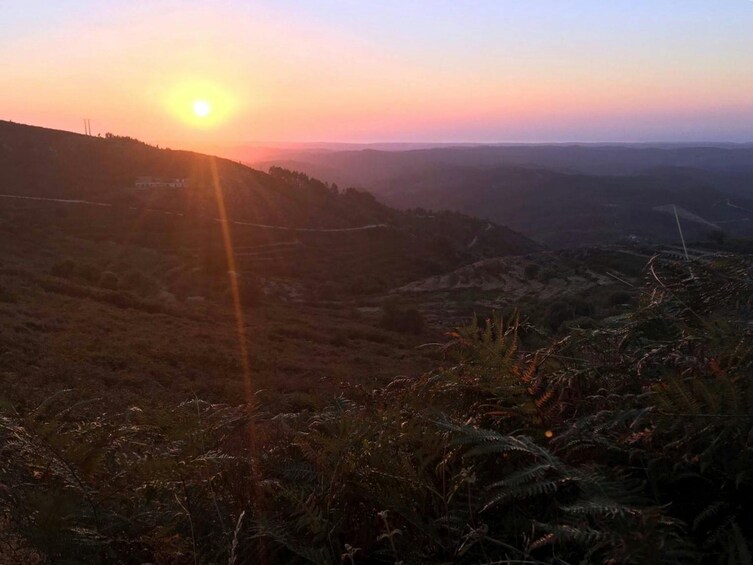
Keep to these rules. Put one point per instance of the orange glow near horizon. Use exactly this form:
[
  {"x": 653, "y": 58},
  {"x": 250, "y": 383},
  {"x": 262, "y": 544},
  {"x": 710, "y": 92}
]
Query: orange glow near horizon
[{"x": 268, "y": 72}]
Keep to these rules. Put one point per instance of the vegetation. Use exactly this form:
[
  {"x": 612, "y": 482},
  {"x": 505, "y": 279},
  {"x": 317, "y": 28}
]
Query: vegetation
[
  {"x": 625, "y": 444},
  {"x": 561, "y": 196},
  {"x": 402, "y": 319},
  {"x": 160, "y": 406}
]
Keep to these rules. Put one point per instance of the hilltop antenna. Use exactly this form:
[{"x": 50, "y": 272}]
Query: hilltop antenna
[
  {"x": 682, "y": 237},
  {"x": 87, "y": 126}
]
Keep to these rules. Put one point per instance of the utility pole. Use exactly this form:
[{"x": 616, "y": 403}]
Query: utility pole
[{"x": 87, "y": 126}]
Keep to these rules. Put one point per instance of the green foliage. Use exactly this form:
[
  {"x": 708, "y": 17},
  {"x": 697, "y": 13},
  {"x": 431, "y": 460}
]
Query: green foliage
[
  {"x": 100, "y": 489},
  {"x": 629, "y": 443}
]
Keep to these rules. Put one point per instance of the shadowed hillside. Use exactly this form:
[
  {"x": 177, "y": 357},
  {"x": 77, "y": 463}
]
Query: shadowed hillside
[
  {"x": 561, "y": 195},
  {"x": 283, "y": 224}
]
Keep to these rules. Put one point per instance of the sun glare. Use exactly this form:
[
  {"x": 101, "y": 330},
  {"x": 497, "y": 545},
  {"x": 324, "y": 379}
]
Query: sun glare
[
  {"x": 201, "y": 108},
  {"x": 200, "y": 104}
]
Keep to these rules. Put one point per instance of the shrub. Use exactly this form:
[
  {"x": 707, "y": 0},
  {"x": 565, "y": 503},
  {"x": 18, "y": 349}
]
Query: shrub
[
  {"x": 560, "y": 311},
  {"x": 584, "y": 323},
  {"x": 365, "y": 285},
  {"x": 109, "y": 280},
  {"x": 339, "y": 339},
  {"x": 582, "y": 307},
  {"x": 88, "y": 273},
  {"x": 531, "y": 271},
  {"x": 557, "y": 313},
  {"x": 548, "y": 274},
  {"x": 717, "y": 236},
  {"x": 250, "y": 290},
  {"x": 619, "y": 298},
  {"x": 7, "y": 295},
  {"x": 137, "y": 281},
  {"x": 65, "y": 268},
  {"x": 326, "y": 291},
  {"x": 404, "y": 320}
]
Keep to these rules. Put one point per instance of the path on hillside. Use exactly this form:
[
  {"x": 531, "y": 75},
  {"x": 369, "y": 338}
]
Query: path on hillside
[
  {"x": 728, "y": 203},
  {"x": 168, "y": 213}
]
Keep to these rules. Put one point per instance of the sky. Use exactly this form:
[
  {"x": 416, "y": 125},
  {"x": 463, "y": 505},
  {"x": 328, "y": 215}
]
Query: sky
[{"x": 271, "y": 71}]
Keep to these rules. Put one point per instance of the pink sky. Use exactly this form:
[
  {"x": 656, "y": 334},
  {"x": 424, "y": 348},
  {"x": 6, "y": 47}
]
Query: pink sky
[{"x": 278, "y": 72}]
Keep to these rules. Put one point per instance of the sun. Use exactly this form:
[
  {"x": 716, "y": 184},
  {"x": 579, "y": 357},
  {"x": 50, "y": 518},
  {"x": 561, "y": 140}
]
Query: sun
[
  {"x": 200, "y": 103},
  {"x": 201, "y": 108}
]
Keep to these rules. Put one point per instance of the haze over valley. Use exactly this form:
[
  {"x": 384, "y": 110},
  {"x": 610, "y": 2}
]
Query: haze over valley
[{"x": 560, "y": 195}]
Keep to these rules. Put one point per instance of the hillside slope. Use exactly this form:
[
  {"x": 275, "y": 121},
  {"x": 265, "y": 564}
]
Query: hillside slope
[
  {"x": 559, "y": 195},
  {"x": 372, "y": 166},
  {"x": 283, "y": 224}
]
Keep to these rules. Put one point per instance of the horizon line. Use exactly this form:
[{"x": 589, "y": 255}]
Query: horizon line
[{"x": 427, "y": 144}]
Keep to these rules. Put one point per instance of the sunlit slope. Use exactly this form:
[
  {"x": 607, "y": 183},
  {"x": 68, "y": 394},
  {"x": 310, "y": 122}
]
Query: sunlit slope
[{"x": 41, "y": 162}]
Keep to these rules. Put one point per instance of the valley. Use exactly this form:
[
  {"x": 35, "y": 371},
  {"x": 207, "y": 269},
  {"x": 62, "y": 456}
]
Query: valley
[{"x": 560, "y": 196}]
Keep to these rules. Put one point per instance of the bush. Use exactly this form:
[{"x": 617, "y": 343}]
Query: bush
[
  {"x": 136, "y": 281},
  {"x": 531, "y": 271},
  {"x": 7, "y": 295},
  {"x": 619, "y": 298},
  {"x": 557, "y": 313},
  {"x": 65, "y": 268},
  {"x": 582, "y": 307},
  {"x": 403, "y": 320},
  {"x": 250, "y": 290},
  {"x": 548, "y": 274},
  {"x": 109, "y": 280},
  {"x": 561, "y": 311},
  {"x": 326, "y": 291},
  {"x": 365, "y": 285},
  {"x": 583, "y": 323},
  {"x": 718, "y": 237},
  {"x": 88, "y": 273}
]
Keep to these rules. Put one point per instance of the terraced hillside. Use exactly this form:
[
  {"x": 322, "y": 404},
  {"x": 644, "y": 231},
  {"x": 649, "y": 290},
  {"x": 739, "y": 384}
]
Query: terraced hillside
[{"x": 281, "y": 224}]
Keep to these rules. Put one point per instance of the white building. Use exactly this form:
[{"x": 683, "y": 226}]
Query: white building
[{"x": 159, "y": 182}]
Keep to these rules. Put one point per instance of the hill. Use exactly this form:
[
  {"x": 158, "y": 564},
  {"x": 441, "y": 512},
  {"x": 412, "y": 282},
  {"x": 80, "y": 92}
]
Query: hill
[
  {"x": 127, "y": 291},
  {"x": 373, "y": 165},
  {"x": 561, "y": 195},
  {"x": 283, "y": 225}
]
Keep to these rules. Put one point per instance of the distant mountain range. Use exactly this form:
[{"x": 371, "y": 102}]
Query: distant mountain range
[{"x": 560, "y": 195}]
